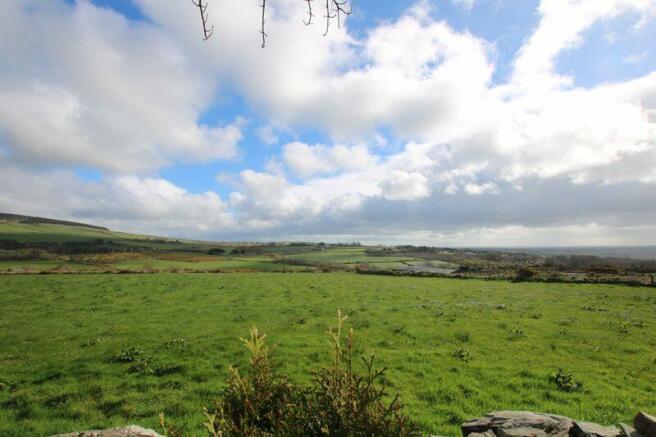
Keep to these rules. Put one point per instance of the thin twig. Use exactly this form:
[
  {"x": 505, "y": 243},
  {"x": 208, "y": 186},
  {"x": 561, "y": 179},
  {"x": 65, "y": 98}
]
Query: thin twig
[
  {"x": 310, "y": 14},
  {"x": 207, "y": 32}
]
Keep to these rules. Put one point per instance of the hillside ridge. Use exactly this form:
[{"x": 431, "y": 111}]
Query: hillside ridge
[{"x": 42, "y": 220}]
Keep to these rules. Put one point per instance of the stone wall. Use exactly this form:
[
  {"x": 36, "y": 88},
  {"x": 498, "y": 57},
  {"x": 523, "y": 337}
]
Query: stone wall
[
  {"x": 499, "y": 424},
  {"x": 527, "y": 424}
]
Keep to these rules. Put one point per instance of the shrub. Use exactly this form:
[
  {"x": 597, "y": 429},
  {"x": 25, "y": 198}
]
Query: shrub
[
  {"x": 524, "y": 274},
  {"x": 564, "y": 381},
  {"x": 339, "y": 401}
]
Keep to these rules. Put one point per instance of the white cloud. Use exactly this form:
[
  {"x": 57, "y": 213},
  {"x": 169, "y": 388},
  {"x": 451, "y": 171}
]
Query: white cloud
[
  {"x": 579, "y": 132},
  {"x": 146, "y": 205},
  {"x": 402, "y": 185},
  {"x": 562, "y": 27},
  {"x": 348, "y": 87},
  {"x": 478, "y": 189},
  {"x": 88, "y": 87},
  {"x": 306, "y": 160}
]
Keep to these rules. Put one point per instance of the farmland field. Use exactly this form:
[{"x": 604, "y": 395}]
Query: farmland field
[
  {"x": 347, "y": 256},
  {"x": 454, "y": 348}
]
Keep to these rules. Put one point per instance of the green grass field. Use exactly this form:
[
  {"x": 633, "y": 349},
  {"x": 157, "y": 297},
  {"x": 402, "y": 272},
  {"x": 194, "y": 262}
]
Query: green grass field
[
  {"x": 59, "y": 233},
  {"x": 59, "y": 335},
  {"x": 347, "y": 256},
  {"x": 181, "y": 261}
]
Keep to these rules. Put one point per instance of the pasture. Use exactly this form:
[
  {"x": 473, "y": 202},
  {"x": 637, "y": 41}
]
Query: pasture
[{"x": 454, "y": 349}]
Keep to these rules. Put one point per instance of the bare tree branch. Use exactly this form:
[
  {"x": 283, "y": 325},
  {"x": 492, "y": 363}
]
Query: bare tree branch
[
  {"x": 334, "y": 9},
  {"x": 207, "y": 32},
  {"x": 264, "y": 35},
  {"x": 310, "y": 14},
  {"x": 328, "y": 17},
  {"x": 339, "y": 7}
]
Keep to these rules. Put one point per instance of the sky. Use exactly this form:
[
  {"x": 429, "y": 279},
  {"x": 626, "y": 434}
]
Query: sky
[{"x": 436, "y": 122}]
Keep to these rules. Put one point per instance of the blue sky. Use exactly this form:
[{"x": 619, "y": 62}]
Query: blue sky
[{"x": 412, "y": 105}]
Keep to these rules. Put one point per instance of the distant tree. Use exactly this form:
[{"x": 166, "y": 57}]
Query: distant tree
[{"x": 334, "y": 10}]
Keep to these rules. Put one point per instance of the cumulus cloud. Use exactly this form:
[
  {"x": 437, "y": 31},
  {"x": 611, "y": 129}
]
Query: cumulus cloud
[
  {"x": 88, "y": 87},
  {"x": 306, "y": 160},
  {"x": 402, "y": 185},
  {"x": 146, "y": 205},
  {"x": 345, "y": 86}
]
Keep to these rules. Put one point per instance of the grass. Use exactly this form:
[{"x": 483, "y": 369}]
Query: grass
[
  {"x": 146, "y": 263},
  {"x": 451, "y": 346},
  {"x": 59, "y": 233},
  {"x": 347, "y": 256},
  {"x": 195, "y": 262}
]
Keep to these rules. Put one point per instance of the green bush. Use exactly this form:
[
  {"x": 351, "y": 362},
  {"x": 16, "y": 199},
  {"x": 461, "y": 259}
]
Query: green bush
[{"x": 340, "y": 400}]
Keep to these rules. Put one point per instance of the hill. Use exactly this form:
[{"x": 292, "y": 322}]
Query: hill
[
  {"x": 17, "y": 218},
  {"x": 26, "y": 229}
]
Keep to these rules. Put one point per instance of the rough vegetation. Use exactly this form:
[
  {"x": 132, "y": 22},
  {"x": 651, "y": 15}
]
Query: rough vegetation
[
  {"x": 61, "y": 337},
  {"x": 340, "y": 400}
]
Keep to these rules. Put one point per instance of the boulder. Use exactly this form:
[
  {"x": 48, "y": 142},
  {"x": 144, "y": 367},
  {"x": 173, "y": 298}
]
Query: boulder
[
  {"x": 482, "y": 434},
  {"x": 521, "y": 432},
  {"x": 128, "y": 431},
  {"x": 645, "y": 424},
  {"x": 523, "y": 422},
  {"x": 588, "y": 429}
]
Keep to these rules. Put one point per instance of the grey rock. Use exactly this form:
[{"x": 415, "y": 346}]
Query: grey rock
[
  {"x": 128, "y": 431},
  {"x": 483, "y": 434},
  {"x": 521, "y": 432},
  {"x": 645, "y": 424},
  {"x": 628, "y": 431},
  {"x": 550, "y": 425},
  {"x": 588, "y": 429}
]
